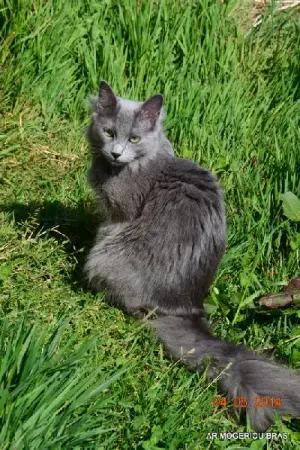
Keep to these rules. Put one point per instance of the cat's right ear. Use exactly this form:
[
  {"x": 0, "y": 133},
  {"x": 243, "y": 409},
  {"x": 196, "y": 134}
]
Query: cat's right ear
[
  {"x": 107, "y": 100},
  {"x": 151, "y": 111}
]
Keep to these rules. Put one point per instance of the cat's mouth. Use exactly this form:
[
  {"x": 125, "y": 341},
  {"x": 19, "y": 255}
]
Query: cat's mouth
[
  {"x": 117, "y": 163},
  {"x": 113, "y": 161}
]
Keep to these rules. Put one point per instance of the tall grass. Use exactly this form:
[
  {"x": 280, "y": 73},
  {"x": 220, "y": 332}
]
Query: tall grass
[
  {"x": 233, "y": 101},
  {"x": 46, "y": 390}
]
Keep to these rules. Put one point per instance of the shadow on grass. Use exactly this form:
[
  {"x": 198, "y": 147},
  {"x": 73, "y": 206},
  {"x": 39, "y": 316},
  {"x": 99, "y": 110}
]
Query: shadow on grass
[{"x": 74, "y": 227}]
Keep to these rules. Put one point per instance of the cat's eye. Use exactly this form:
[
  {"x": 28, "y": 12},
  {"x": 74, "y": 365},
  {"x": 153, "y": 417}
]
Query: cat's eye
[
  {"x": 108, "y": 133},
  {"x": 134, "y": 139}
]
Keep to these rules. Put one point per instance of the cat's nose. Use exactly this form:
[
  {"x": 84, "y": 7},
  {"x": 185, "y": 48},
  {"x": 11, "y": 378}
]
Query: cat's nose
[
  {"x": 116, "y": 155},
  {"x": 117, "y": 151}
]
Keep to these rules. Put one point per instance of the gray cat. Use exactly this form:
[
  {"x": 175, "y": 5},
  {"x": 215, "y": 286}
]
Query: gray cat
[{"x": 162, "y": 246}]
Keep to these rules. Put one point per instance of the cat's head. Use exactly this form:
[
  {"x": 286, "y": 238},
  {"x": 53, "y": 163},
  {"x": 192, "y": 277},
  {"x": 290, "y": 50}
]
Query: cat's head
[{"x": 124, "y": 130}]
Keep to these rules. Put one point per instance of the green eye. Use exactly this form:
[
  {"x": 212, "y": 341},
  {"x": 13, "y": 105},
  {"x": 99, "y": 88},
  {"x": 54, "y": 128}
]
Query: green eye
[
  {"x": 134, "y": 139},
  {"x": 108, "y": 133}
]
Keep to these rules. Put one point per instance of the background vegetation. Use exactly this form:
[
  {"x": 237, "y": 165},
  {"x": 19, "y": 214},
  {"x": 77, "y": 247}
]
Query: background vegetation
[{"x": 75, "y": 372}]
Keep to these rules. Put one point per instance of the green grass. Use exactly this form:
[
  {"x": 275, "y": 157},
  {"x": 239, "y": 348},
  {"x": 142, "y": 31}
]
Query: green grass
[
  {"x": 48, "y": 389},
  {"x": 233, "y": 103}
]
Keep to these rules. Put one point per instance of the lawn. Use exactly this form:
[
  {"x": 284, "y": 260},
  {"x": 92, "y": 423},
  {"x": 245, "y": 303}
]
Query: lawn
[{"x": 76, "y": 373}]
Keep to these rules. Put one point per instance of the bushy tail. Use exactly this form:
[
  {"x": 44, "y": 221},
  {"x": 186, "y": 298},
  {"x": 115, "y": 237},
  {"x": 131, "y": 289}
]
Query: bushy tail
[{"x": 265, "y": 385}]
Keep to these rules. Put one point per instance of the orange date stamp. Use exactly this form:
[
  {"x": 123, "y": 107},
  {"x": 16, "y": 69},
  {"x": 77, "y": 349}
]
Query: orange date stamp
[{"x": 243, "y": 402}]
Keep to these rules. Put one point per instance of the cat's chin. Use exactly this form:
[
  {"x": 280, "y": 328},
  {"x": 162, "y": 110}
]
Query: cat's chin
[
  {"x": 111, "y": 161},
  {"x": 118, "y": 163}
]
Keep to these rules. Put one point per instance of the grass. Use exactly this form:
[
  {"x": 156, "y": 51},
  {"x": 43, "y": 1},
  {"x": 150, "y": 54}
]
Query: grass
[
  {"x": 233, "y": 106},
  {"x": 48, "y": 390}
]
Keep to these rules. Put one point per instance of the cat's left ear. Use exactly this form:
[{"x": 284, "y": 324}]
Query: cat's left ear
[{"x": 150, "y": 110}]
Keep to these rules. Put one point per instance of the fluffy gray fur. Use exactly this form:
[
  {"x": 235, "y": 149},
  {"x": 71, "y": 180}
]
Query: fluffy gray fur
[{"x": 162, "y": 245}]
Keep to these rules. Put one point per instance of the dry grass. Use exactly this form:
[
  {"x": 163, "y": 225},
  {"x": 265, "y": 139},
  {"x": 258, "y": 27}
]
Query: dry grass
[{"x": 249, "y": 12}]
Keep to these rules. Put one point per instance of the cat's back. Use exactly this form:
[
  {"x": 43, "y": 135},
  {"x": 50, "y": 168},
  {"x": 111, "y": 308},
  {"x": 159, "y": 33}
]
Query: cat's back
[
  {"x": 190, "y": 173},
  {"x": 182, "y": 181},
  {"x": 181, "y": 232},
  {"x": 186, "y": 200}
]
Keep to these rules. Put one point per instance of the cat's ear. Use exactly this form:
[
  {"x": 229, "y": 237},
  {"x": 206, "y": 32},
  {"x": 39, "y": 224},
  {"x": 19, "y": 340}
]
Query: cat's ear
[
  {"x": 107, "y": 100},
  {"x": 150, "y": 110}
]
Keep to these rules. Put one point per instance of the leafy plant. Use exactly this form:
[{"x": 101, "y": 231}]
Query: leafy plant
[{"x": 291, "y": 206}]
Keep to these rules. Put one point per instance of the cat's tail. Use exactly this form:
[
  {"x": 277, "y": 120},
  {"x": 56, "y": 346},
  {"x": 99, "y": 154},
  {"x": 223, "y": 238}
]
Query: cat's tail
[{"x": 255, "y": 384}]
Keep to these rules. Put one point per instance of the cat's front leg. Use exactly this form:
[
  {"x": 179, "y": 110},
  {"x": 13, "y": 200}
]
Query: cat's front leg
[
  {"x": 103, "y": 256},
  {"x": 99, "y": 171}
]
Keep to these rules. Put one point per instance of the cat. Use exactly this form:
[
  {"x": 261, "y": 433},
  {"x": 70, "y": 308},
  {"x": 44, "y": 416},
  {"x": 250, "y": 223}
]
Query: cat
[{"x": 161, "y": 247}]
